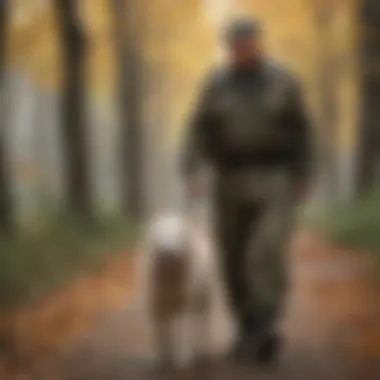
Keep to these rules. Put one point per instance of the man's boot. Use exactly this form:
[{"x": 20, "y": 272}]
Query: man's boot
[
  {"x": 242, "y": 342},
  {"x": 268, "y": 348},
  {"x": 262, "y": 343}
]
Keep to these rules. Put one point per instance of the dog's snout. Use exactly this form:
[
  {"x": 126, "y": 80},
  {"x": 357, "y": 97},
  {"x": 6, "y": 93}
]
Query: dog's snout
[
  {"x": 170, "y": 265},
  {"x": 168, "y": 258},
  {"x": 166, "y": 254}
]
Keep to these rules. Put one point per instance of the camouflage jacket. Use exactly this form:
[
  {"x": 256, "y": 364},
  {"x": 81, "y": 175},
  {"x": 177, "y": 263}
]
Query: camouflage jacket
[{"x": 250, "y": 119}]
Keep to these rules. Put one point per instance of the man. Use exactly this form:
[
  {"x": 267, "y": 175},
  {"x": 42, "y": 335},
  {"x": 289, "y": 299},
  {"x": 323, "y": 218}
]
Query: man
[{"x": 250, "y": 126}]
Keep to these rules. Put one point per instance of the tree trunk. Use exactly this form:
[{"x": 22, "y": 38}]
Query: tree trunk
[
  {"x": 328, "y": 104},
  {"x": 5, "y": 193},
  {"x": 130, "y": 91},
  {"x": 73, "y": 106},
  {"x": 369, "y": 125}
]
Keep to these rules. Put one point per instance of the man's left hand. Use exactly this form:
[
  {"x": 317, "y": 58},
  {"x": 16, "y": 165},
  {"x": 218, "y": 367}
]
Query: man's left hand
[{"x": 302, "y": 192}]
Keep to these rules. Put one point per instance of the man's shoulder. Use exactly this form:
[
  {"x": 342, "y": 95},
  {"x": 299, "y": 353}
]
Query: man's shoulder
[
  {"x": 282, "y": 73},
  {"x": 216, "y": 76}
]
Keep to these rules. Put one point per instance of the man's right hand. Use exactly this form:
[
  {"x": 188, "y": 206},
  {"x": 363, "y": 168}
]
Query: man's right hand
[
  {"x": 303, "y": 192},
  {"x": 193, "y": 187}
]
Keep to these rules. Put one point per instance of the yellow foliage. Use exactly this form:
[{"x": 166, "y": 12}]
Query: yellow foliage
[{"x": 178, "y": 43}]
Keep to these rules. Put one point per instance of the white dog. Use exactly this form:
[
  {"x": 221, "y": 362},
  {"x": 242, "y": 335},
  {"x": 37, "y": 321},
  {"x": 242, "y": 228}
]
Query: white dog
[{"x": 178, "y": 278}]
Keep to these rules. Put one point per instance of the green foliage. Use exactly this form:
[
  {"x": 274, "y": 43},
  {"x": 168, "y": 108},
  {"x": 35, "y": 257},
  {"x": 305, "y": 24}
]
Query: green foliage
[
  {"x": 36, "y": 262},
  {"x": 353, "y": 224}
]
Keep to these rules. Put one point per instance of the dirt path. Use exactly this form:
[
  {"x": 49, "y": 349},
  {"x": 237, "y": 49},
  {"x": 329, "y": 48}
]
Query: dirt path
[{"x": 320, "y": 302}]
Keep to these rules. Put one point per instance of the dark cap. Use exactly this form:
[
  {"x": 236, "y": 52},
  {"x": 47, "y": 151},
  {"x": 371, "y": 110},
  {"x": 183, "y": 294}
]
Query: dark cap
[{"x": 241, "y": 28}]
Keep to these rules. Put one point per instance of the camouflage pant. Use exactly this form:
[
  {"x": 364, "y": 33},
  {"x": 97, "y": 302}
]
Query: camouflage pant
[{"x": 254, "y": 216}]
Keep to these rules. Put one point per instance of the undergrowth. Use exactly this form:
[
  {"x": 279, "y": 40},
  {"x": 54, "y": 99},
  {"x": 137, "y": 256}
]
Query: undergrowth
[
  {"x": 35, "y": 262},
  {"x": 354, "y": 224}
]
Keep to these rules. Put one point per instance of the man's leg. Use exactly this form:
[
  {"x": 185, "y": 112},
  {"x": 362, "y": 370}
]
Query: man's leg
[
  {"x": 267, "y": 269},
  {"x": 234, "y": 222}
]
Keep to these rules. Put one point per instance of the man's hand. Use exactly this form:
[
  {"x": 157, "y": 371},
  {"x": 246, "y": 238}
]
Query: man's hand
[
  {"x": 302, "y": 192},
  {"x": 194, "y": 188}
]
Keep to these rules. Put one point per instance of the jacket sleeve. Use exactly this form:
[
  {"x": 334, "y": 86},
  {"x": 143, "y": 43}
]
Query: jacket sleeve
[
  {"x": 194, "y": 149},
  {"x": 302, "y": 134}
]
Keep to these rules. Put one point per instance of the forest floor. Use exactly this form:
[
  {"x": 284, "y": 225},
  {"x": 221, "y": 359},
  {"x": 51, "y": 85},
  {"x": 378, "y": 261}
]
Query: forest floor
[{"x": 101, "y": 333}]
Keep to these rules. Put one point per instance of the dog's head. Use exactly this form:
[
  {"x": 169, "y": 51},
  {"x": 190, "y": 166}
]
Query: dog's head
[{"x": 168, "y": 235}]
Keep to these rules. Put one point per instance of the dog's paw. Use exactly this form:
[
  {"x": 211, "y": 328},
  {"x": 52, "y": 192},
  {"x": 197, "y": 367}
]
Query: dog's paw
[
  {"x": 202, "y": 360},
  {"x": 165, "y": 366},
  {"x": 184, "y": 361}
]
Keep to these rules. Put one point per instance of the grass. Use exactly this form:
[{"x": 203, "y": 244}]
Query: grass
[
  {"x": 36, "y": 263},
  {"x": 355, "y": 224}
]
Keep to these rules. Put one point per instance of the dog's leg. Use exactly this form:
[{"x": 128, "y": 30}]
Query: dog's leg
[
  {"x": 164, "y": 343},
  {"x": 182, "y": 334},
  {"x": 202, "y": 333}
]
